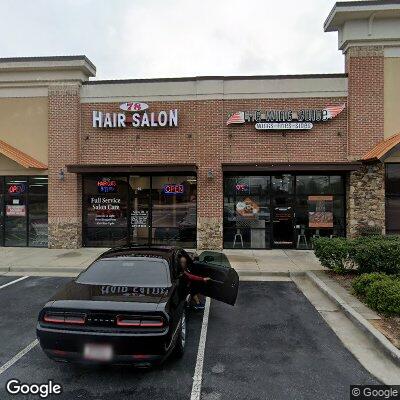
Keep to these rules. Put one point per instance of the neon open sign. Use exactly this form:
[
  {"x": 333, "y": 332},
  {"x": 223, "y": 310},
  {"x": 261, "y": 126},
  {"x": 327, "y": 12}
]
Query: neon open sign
[
  {"x": 172, "y": 189},
  {"x": 242, "y": 187},
  {"x": 16, "y": 189},
  {"x": 107, "y": 186}
]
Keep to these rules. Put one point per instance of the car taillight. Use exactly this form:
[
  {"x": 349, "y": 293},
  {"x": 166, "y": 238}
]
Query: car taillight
[
  {"x": 127, "y": 321},
  {"x": 156, "y": 322},
  {"x": 64, "y": 318},
  {"x": 54, "y": 318},
  {"x": 145, "y": 322}
]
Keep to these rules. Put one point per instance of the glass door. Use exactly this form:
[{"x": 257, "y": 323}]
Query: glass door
[
  {"x": 140, "y": 209},
  {"x": 283, "y": 211},
  {"x": 16, "y": 212},
  {"x": 282, "y": 225}
]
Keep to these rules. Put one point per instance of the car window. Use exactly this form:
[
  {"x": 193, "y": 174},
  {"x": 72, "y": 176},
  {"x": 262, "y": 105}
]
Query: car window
[
  {"x": 214, "y": 257},
  {"x": 145, "y": 272}
]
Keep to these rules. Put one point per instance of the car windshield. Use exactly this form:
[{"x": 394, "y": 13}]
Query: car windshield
[{"x": 144, "y": 272}]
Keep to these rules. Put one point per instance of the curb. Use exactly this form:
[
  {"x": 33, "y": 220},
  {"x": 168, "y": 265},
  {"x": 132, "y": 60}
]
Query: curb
[
  {"x": 52, "y": 269},
  {"x": 263, "y": 273},
  {"x": 63, "y": 269},
  {"x": 357, "y": 319}
]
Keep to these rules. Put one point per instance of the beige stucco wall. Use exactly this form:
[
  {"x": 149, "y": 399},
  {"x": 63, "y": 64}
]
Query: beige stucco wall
[
  {"x": 9, "y": 167},
  {"x": 392, "y": 96},
  {"x": 23, "y": 125}
]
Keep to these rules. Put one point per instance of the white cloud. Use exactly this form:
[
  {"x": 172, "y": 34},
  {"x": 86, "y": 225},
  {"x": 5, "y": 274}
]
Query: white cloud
[{"x": 161, "y": 38}]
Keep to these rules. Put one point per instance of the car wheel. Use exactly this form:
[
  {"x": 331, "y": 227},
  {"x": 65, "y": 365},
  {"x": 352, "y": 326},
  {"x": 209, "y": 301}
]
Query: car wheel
[{"x": 181, "y": 339}]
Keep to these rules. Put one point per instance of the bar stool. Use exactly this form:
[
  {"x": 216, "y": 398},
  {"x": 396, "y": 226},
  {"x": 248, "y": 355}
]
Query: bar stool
[
  {"x": 238, "y": 235},
  {"x": 240, "y": 224},
  {"x": 315, "y": 236},
  {"x": 301, "y": 237}
]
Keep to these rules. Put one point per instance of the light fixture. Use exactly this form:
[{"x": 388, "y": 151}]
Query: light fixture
[
  {"x": 61, "y": 175},
  {"x": 210, "y": 174}
]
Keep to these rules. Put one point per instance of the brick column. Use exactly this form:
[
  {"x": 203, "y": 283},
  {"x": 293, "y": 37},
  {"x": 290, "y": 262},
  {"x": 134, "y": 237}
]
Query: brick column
[
  {"x": 365, "y": 188},
  {"x": 365, "y": 68},
  {"x": 65, "y": 197},
  {"x": 209, "y": 142}
]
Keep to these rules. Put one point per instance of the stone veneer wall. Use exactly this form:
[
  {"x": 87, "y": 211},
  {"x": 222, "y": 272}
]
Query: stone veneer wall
[
  {"x": 209, "y": 233},
  {"x": 366, "y": 198}
]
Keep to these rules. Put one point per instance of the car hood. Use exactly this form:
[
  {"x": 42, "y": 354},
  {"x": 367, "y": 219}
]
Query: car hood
[{"x": 74, "y": 291}]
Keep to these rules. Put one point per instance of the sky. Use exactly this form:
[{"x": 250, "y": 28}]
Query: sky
[{"x": 173, "y": 38}]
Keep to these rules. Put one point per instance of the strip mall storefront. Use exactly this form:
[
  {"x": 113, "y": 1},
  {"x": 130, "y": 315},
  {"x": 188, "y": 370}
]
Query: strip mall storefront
[{"x": 250, "y": 162}]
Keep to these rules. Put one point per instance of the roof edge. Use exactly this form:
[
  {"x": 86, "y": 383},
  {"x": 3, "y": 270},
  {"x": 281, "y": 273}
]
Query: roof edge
[
  {"x": 216, "y": 77},
  {"x": 80, "y": 57},
  {"x": 383, "y": 150}
]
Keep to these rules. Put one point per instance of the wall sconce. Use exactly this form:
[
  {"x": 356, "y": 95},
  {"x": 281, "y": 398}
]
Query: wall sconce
[
  {"x": 61, "y": 175},
  {"x": 210, "y": 174}
]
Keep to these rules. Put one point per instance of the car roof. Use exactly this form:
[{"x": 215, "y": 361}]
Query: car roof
[{"x": 166, "y": 252}]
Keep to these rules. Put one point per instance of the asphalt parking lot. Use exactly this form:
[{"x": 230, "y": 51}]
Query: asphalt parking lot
[{"x": 272, "y": 345}]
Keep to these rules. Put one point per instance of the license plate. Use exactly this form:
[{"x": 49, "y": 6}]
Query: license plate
[{"x": 98, "y": 352}]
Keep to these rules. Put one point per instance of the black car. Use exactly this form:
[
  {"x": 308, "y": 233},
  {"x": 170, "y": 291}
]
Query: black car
[{"x": 129, "y": 306}]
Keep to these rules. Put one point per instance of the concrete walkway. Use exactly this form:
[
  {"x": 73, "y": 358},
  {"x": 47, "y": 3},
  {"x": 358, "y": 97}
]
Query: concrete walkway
[
  {"x": 252, "y": 262},
  {"x": 279, "y": 262}
]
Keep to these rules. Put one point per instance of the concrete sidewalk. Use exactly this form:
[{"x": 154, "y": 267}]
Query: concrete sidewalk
[
  {"x": 20, "y": 260},
  {"x": 279, "y": 262}
]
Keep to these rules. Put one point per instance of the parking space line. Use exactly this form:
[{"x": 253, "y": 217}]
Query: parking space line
[
  {"x": 198, "y": 372},
  {"x": 11, "y": 362},
  {"x": 12, "y": 282}
]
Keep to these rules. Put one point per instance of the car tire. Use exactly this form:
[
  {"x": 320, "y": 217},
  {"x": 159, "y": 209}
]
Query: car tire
[{"x": 180, "y": 344}]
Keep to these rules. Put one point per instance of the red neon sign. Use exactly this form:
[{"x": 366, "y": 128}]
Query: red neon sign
[
  {"x": 242, "y": 187},
  {"x": 171, "y": 189},
  {"x": 16, "y": 189}
]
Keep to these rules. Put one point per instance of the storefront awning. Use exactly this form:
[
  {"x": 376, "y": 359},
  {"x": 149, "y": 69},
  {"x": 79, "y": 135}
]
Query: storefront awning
[
  {"x": 383, "y": 150},
  {"x": 292, "y": 167},
  {"x": 135, "y": 169},
  {"x": 20, "y": 157}
]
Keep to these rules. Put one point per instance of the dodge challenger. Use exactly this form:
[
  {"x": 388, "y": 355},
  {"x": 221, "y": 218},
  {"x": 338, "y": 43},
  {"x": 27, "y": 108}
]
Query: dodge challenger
[{"x": 129, "y": 306}]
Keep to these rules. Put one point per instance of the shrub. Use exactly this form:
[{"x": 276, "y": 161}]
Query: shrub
[
  {"x": 384, "y": 296},
  {"x": 362, "y": 283},
  {"x": 376, "y": 254},
  {"x": 333, "y": 253}
]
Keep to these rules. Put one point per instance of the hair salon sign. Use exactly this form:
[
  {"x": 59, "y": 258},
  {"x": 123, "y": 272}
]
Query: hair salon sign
[
  {"x": 286, "y": 119},
  {"x": 136, "y": 115}
]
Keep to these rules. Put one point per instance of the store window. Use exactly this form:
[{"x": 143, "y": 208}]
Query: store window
[
  {"x": 247, "y": 214},
  {"x": 319, "y": 209},
  {"x": 105, "y": 202},
  {"x": 23, "y": 211},
  {"x": 282, "y": 210},
  {"x": 136, "y": 209},
  {"x": 392, "y": 199},
  {"x": 174, "y": 212}
]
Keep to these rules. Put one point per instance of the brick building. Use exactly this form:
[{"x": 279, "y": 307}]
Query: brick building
[{"x": 207, "y": 162}]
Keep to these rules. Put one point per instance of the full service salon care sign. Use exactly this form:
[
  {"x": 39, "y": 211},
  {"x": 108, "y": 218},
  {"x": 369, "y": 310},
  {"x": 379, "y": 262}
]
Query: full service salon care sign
[
  {"x": 135, "y": 115},
  {"x": 285, "y": 119}
]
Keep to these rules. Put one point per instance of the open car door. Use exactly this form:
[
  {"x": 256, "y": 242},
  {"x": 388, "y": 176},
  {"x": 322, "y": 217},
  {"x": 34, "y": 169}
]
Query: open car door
[{"x": 224, "y": 280}]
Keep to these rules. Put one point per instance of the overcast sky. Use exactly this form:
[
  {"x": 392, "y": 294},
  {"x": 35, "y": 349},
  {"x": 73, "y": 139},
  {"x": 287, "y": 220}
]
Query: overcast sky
[{"x": 169, "y": 38}]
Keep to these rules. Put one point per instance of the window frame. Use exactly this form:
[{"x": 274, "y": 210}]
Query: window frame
[
  {"x": 130, "y": 197},
  {"x": 390, "y": 196}
]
